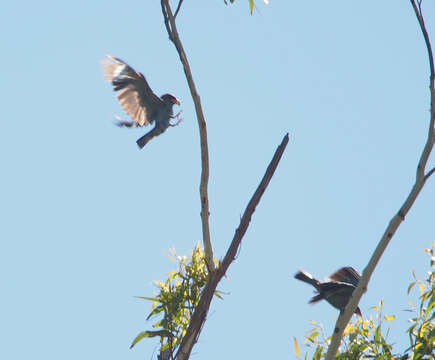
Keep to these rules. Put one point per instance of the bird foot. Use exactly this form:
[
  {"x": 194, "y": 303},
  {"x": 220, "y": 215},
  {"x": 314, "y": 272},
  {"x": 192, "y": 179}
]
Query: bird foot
[
  {"x": 177, "y": 123},
  {"x": 177, "y": 116}
]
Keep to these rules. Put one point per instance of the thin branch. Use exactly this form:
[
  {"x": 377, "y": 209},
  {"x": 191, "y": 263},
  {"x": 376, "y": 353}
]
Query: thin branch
[
  {"x": 427, "y": 176},
  {"x": 246, "y": 218},
  {"x": 200, "y": 314},
  {"x": 395, "y": 222},
  {"x": 166, "y": 19},
  {"x": 431, "y": 137},
  {"x": 178, "y": 8},
  {"x": 171, "y": 27}
]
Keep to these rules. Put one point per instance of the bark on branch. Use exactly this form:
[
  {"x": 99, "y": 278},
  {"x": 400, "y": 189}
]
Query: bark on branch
[{"x": 395, "y": 222}]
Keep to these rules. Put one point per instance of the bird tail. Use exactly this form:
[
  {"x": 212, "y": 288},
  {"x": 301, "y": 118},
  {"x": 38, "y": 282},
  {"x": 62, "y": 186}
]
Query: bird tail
[
  {"x": 308, "y": 278},
  {"x": 153, "y": 133},
  {"x": 145, "y": 139},
  {"x": 316, "y": 298}
]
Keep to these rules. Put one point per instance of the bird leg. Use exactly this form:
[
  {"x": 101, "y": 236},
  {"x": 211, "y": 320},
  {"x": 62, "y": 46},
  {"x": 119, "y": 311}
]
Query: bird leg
[
  {"x": 177, "y": 123},
  {"x": 177, "y": 116}
]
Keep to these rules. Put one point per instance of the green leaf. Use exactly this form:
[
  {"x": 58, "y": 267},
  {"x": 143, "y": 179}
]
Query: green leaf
[
  {"x": 149, "y": 334},
  {"x": 389, "y": 318},
  {"x": 377, "y": 335},
  {"x": 138, "y": 338},
  {"x": 430, "y": 306},
  {"x": 421, "y": 287},
  {"x": 157, "y": 310},
  {"x": 318, "y": 353},
  {"x": 251, "y": 6},
  {"x": 147, "y": 298},
  {"x": 411, "y": 286},
  {"x": 313, "y": 336},
  {"x": 218, "y": 295},
  {"x": 296, "y": 346}
]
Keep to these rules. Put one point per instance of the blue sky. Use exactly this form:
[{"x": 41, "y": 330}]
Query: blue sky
[{"x": 87, "y": 218}]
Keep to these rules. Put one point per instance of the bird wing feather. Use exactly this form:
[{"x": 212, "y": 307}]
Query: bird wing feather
[
  {"x": 347, "y": 275},
  {"x": 135, "y": 95}
]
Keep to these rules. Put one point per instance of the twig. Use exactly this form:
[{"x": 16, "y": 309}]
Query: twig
[
  {"x": 166, "y": 19},
  {"x": 203, "y": 187},
  {"x": 395, "y": 222},
  {"x": 429, "y": 173},
  {"x": 178, "y": 8},
  {"x": 200, "y": 314}
]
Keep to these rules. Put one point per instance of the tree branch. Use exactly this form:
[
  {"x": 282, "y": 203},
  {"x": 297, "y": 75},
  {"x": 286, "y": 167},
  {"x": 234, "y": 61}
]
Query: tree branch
[
  {"x": 178, "y": 8},
  {"x": 395, "y": 222},
  {"x": 200, "y": 314},
  {"x": 431, "y": 136},
  {"x": 427, "y": 176},
  {"x": 171, "y": 27}
]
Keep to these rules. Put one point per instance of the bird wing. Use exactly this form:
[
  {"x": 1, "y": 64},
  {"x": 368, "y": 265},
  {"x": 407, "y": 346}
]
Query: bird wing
[
  {"x": 337, "y": 290},
  {"x": 135, "y": 95},
  {"x": 337, "y": 294},
  {"x": 347, "y": 275}
]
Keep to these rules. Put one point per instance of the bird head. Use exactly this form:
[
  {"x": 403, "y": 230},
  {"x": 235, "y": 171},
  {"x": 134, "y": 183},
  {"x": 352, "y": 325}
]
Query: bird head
[{"x": 170, "y": 99}]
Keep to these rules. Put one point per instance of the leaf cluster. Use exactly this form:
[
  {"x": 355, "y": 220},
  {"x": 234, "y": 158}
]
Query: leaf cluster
[
  {"x": 422, "y": 331},
  {"x": 176, "y": 300},
  {"x": 362, "y": 339},
  {"x": 251, "y": 4}
]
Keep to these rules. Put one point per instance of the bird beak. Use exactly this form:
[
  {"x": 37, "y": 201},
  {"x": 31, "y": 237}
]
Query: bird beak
[{"x": 176, "y": 101}]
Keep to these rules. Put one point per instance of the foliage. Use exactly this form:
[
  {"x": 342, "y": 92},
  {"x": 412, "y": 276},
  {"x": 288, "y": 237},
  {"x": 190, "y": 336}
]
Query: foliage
[
  {"x": 366, "y": 339},
  {"x": 176, "y": 301},
  {"x": 422, "y": 331},
  {"x": 362, "y": 339},
  {"x": 251, "y": 4}
]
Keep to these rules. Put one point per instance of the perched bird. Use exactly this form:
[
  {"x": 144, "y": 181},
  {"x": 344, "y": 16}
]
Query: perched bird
[
  {"x": 337, "y": 289},
  {"x": 138, "y": 100}
]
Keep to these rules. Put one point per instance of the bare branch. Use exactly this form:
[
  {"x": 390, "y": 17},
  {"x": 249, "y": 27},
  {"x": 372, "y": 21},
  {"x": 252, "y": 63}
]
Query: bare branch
[
  {"x": 178, "y": 8},
  {"x": 166, "y": 19},
  {"x": 203, "y": 187},
  {"x": 200, "y": 314},
  {"x": 246, "y": 218},
  {"x": 395, "y": 222},
  {"x": 427, "y": 176},
  {"x": 431, "y": 136}
]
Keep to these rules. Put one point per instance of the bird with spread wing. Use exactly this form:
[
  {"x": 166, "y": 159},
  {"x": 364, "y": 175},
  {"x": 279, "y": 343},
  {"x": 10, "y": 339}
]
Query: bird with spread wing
[
  {"x": 337, "y": 289},
  {"x": 138, "y": 100}
]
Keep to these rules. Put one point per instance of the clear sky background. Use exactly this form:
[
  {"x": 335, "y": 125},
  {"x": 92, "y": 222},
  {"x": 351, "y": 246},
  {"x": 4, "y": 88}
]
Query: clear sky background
[{"x": 86, "y": 218}]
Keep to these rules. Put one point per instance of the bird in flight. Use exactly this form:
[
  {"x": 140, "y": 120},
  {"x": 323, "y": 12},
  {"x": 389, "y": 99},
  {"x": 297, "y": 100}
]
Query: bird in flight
[{"x": 138, "y": 100}]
